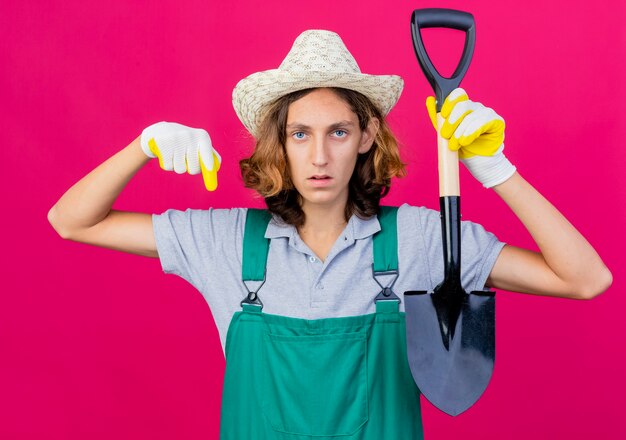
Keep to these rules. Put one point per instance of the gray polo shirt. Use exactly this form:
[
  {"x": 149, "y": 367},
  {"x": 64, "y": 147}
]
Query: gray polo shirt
[{"x": 205, "y": 248}]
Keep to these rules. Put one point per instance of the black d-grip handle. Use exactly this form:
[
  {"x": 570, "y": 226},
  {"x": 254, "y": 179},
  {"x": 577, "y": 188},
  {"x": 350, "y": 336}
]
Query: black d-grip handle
[{"x": 446, "y": 18}]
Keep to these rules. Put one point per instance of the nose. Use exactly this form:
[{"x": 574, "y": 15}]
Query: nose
[{"x": 320, "y": 153}]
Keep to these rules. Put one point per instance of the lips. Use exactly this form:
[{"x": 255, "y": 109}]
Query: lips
[{"x": 320, "y": 181}]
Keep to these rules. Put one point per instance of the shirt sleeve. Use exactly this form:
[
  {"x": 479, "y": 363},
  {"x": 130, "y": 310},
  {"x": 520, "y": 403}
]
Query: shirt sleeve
[
  {"x": 190, "y": 242},
  {"x": 479, "y": 250}
]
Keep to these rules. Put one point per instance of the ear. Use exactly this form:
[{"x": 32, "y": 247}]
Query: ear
[{"x": 369, "y": 135}]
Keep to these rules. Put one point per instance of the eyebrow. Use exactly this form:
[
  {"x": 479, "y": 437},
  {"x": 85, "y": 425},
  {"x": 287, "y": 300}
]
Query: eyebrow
[{"x": 335, "y": 126}]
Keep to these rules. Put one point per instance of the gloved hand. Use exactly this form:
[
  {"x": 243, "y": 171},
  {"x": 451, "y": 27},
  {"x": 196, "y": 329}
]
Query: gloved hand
[
  {"x": 182, "y": 149},
  {"x": 477, "y": 132}
]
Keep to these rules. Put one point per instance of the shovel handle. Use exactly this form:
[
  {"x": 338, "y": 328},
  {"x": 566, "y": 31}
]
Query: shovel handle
[
  {"x": 449, "y": 190},
  {"x": 446, "y": 18},
  {"x": 454, "y": 19},
  {"x": 448, "y": 161}
]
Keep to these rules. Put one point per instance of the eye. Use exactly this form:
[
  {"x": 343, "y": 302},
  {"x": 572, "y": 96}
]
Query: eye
[
  {"x": 340, "y": 133},
  {"x": 298, "y": 135}
]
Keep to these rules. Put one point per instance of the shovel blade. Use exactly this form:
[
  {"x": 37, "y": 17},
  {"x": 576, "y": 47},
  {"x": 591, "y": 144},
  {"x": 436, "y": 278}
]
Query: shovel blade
[{"x": 452, "y": 378}]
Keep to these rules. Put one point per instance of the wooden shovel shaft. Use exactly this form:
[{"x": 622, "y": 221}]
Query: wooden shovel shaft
[{"x": 448, "y": 165}]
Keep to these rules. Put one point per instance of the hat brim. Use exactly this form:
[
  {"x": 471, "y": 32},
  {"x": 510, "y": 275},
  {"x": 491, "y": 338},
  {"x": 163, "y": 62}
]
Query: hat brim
[{"x": 253, "y": 93}]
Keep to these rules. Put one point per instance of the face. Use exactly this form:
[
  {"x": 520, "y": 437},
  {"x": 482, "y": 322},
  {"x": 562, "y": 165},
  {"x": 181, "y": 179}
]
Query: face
[{"x": 323, "y": 140}]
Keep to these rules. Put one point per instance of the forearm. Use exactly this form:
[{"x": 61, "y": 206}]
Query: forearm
[
  {"x": 90, "y": 200},
  {"x": 565, "y": 251}
]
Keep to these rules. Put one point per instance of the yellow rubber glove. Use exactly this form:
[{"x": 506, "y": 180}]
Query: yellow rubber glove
[
  {"x": 477, "y": 132},
  {"x": 470, "y": 127},
  {"x": 182, "y": 149}
]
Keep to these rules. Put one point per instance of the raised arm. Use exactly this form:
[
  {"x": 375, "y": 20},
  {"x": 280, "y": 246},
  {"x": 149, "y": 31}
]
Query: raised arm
[
  {"x": 567, "y": 265},
  {"x": 84, "y": 212}
]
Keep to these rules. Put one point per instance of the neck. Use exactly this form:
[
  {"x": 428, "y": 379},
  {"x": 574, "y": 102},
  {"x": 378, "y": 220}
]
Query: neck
[{"x": 323, "y": 221}]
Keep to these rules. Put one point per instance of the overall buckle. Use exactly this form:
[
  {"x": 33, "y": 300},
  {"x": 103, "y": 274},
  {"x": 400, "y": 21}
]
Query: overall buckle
[{"x": 386, "y": 293}]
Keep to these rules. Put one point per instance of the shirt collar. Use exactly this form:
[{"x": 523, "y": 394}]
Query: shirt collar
[{"x": 357, "y": 228}]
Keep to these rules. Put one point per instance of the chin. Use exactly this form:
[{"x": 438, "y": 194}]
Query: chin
[{"x": 322, "y": 199}]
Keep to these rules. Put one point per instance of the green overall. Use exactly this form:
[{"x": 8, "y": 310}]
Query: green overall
[{"x": 333, "y": 378}]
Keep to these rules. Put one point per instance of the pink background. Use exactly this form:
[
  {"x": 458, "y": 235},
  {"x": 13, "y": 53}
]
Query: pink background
[{"x": 99, "y": 344}]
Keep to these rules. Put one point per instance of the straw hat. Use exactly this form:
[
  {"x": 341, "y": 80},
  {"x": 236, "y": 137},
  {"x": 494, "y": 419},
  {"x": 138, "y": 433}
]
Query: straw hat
[{"x": 318, "y": 58}]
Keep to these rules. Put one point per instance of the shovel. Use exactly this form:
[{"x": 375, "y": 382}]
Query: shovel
[{"x": 450, "y": 333}]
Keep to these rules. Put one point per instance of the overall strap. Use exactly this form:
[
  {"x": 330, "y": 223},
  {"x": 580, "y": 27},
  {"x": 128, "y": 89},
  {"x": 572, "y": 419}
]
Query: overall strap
[
  {"x": 255, "y": 250},
  {"x": 386, "y": 240},
  {"x": 386, "y": 258},
  {"x": 255, "y": 245}
]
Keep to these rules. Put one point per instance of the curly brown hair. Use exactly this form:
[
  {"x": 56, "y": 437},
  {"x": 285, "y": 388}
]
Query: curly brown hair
[{"x": 267, "y": 171}]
